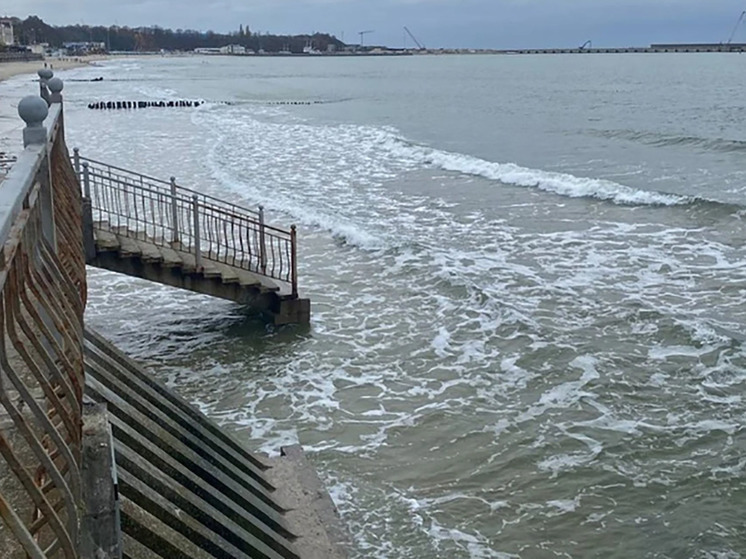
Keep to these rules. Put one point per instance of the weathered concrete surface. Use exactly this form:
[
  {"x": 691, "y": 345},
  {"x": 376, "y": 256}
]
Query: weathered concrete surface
[
  {"x": 100, "y": 527},
  {"x": 312, "y": 514}
]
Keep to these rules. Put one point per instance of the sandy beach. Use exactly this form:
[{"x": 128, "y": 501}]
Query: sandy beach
[{"x": 10, "y": 69}]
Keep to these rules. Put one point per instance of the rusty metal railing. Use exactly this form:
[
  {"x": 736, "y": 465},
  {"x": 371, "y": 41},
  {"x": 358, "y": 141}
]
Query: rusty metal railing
[
  {"x": 172, "y": 216},
  {"x": 41, "y": 341}
]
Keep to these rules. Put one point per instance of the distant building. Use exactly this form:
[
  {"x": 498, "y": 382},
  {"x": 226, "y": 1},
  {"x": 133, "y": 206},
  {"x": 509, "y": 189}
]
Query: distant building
[
  {"x": 233, "y": 49},
  {"x": 84, "y": 47},
  {"x": 39, "y": 48},
  {"x": 207, "y": 50},
  {"x": 6, "y": 32}
]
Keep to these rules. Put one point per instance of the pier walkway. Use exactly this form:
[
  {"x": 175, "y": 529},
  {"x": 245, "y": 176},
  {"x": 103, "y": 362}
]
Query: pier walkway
[
  {"x": 161, "y": 231},
  {"x": 97, "y": 458},
  {"x": 164, "y": 232}
]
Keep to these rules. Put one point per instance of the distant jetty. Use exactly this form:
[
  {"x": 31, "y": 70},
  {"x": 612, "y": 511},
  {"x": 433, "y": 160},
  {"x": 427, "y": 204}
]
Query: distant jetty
[
  {"x": 655, "y": 48},
  {"x": 384, "y": 51}
]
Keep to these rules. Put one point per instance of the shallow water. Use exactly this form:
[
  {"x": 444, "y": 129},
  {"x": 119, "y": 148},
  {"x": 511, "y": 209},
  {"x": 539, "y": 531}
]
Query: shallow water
[{"x": 528, "y": 289}]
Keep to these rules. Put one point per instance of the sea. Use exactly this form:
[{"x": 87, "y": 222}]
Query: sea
[{"x": 528, "y": 286}]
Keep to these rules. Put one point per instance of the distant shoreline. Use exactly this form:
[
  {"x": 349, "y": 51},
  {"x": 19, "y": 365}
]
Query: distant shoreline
[
  {"x": 11, "y": 69},
  {"x": 652, "y": 49}
]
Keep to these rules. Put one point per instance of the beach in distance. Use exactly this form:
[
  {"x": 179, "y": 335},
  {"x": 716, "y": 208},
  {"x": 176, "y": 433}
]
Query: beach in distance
[{"x": 10, "y": 69}]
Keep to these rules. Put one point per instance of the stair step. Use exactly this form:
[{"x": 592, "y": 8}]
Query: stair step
[
  {"x": 228, "y": 273},
  {"x": 171, "y": 258},
  {"x": 247, "y": 279},
  {"x": 128, "y": 247},
  {"x": 137, "y": 244},
  {"x": 149, "y": 252},
  {"x": 189, "y": 263},
  {"x": 210, "y": 270},
  {"x": 105, "y": 240}
]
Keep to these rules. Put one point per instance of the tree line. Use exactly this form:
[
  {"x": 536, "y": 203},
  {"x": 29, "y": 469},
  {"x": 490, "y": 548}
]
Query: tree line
[{"x": 33, "y": 30}]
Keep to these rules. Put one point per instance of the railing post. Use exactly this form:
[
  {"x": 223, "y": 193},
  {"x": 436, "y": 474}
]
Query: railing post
[
  {"x": 45, "y": 74},
  {"x": 174, "y": 212},
  {"x": 89, "y": 244},
  {"x": 76, "y": 161},
  {"x": 294, "y": 258},
  {"x": 33, "y": 110},
  {"x": 55, "y": 86},
  {"x": 197, "y": 250},
  {"x": 86, "y": 179},
  {"x": 262, "y": 242}
]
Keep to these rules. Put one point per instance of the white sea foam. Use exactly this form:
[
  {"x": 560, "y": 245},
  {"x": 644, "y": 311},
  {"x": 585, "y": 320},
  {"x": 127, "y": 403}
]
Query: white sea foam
[
  {"x": 562, "y": 184},
  {"x": 531, "y": 352}
]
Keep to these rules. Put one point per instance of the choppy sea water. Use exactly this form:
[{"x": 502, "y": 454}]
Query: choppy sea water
[{"x": 528, "y": 278}]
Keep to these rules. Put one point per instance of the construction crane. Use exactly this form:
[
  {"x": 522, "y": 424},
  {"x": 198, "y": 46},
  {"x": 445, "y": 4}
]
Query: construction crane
[
  {"x": 363, "y": 34},
  {"x": 416, "y": 42},
  {"x": 738, "y": 23}
]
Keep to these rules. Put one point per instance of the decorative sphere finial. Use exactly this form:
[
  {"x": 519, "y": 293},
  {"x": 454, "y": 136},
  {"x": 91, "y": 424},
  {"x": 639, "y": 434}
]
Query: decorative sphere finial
[
  {"x": 55, "y": 85},
  {"x": 33, "y": 110},
  {"x": 45, "y": 73}
]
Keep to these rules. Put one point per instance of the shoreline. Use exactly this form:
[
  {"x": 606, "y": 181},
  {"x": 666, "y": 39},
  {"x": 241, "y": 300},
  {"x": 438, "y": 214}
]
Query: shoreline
[{"x": 11, "y": 69}]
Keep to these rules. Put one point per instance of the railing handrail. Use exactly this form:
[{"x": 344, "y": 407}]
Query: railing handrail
[
  {"x": 187, "y": 199},
  {"x": 42, "y": 300},
  {"x": 191, "y": 192},
  {"x": 169, "y": 213}
]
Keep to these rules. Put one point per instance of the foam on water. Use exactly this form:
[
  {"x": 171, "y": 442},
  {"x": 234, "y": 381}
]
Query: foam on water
[
  {"x": 557, "y": 183},
  {"x": 583, "y": 362}
]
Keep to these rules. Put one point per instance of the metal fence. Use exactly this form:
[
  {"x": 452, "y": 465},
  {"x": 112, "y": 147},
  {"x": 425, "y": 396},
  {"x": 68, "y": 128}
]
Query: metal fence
[
  {"x": 41, "y": 345},
  {"x": 172, "y": 216}
]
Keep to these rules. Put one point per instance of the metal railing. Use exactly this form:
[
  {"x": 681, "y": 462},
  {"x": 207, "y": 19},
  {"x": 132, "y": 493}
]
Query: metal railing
[
  {"x": 172, "y": 216},
  {"x": 42, "y": 297}
]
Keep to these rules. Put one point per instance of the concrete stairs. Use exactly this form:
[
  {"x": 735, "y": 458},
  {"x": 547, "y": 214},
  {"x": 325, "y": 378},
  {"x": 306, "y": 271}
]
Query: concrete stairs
[
  {"x": 186, "y": 489},
  {"x": 132, "y": 252}
]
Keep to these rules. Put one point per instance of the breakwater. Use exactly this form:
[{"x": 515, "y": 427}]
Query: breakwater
[
  {"x": 652, "y": 49},
  {"x": 114, "y": 105}
]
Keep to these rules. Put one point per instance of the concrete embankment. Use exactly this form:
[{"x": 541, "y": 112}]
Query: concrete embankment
[{"x": 186, "y": 486}]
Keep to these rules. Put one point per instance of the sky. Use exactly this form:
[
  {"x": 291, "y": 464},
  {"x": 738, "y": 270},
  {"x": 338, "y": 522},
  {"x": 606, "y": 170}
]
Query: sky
[{"x": 436, "y": 23}]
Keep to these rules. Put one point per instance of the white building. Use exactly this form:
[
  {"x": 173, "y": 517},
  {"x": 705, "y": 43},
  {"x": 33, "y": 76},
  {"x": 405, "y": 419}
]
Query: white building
[
  {"x": 6, "y": 32},
  {"x": 233, "y": 49},
  {"x": 39, "y": 48}
]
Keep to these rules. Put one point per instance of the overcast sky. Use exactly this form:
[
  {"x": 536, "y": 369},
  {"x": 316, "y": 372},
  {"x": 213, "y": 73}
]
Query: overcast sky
[{"x": 436, "y": 23}]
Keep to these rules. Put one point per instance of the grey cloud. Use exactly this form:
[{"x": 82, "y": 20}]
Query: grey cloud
[{"x": 469, "y": 23}]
